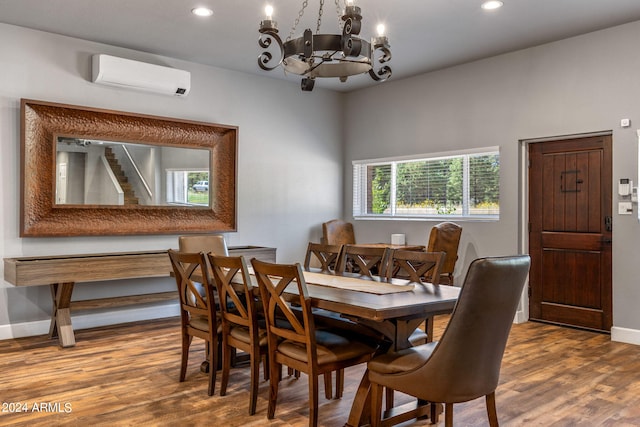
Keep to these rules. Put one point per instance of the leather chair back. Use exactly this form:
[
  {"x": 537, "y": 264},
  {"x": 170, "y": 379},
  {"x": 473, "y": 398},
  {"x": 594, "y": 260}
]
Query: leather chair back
[
  {"x": 445, "y": 237},
  {"x": 203, "y": 243},
  {"x": 338, "y": 232},
  {"x": 465, "y": 364}
]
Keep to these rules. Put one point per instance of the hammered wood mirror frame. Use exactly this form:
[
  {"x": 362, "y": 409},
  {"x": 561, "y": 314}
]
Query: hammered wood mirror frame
[{"x": 40, "y": 216}]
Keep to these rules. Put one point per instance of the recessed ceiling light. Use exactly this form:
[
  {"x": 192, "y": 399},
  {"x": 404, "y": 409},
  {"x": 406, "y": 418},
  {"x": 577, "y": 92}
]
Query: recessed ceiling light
[
  {"x": 492, "y": 4},
  {"x": 202, "y": 11}
]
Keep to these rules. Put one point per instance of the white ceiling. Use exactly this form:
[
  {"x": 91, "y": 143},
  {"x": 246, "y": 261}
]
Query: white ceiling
[{"x": 425, "y": 35}]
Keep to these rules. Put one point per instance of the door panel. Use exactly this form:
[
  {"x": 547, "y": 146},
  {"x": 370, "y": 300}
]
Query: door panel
[{"x": 569, "y": 242}]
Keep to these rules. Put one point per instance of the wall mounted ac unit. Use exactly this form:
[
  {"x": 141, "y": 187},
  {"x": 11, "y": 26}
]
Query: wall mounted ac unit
[{"x": 125, "y": 73}]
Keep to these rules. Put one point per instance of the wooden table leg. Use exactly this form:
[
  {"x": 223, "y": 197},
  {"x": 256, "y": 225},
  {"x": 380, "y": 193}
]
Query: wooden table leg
[
  {"x": 399, "y": 331},
  {"x": 61, "y": 326},
  {"x": 361, "y": 408}
]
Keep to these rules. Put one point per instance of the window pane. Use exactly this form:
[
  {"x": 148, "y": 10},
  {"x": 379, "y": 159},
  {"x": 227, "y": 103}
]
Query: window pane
[
  {"x": 464, "y": 185},
  {"x": 484, "y": 185},
  {"x": 379, "y": 189},
  {"x": 429, "y": 187}
]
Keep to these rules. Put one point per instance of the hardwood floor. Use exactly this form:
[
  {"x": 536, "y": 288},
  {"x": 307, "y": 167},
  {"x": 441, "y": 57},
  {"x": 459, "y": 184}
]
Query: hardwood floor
[{"x": 127, "y": 375}]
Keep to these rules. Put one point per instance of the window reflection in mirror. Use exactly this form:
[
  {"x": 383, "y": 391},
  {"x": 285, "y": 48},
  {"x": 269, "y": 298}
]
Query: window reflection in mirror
[{"x": 98, "y": 172}]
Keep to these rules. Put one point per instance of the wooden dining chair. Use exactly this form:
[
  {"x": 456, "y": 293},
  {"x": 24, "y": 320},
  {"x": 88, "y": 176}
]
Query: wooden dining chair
[
  {"x": 324, "y": 254},
  {"x": 363, "y": 260},
  {"x": 198, "y": 315},
  {"x": 299, "y": 345},
  {"x": 338, "y": 232},
  {"x": 445, "y": 237},
  {"x": 205, "y": 243},
  {"x": 239, "y": 313},
  {"x": 465, "y": 363},
  {"x": 416, "y": 267}
]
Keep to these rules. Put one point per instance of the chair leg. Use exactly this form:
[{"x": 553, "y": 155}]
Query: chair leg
[
  {"x": 227, "y": 356},
  {"x": 274, "y": 375},
  {"x": 491, "y": 409},
  {"x": 186, "y": 340},
  {"x": 434, "y": 415},
  {"x": 313, "y": 399},
  {"x": 255, "y": 378},
  {"x": 428, "y": 328},
  {"x": 327, "y": 386},
  {"x": 448, "y": 415},
  {"x": 388, "y": 401},
  {"x": 213, "y": 363},
  {"x": 339, "y": 383},
  {"x": 265, "y": 366},
  {"x": 376, "y": 404}
]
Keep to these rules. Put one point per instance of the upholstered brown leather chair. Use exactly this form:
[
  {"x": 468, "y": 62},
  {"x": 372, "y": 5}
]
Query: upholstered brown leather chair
[
  {"x": 299, "y": 345},
  {"x": 445, "y": 237},
  {"x": 338, "y": 232},
  {"x": 322, "y": 255},
  {"x": 239, "y": 313},
  {"x": 198, "y": 316},
  {"x": 465, "y": 363}
]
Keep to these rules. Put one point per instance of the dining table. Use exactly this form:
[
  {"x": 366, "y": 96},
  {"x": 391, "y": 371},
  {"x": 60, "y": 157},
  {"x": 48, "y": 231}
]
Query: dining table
[{"x": 395, "y": 308}]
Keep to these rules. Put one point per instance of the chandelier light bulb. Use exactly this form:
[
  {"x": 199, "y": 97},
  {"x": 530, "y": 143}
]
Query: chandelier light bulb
[
  {"x": 349, "y": 2},
  {"x": 268, "y": 10},
  {"x": 380, "y": 29},
  {"x": 202, "y": 11},
  {"x": 492, "y": 4}
]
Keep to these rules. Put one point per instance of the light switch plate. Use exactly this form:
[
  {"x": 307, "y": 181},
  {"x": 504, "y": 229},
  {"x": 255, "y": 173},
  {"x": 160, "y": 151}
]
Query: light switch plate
[{"x": 625, "y": 208}]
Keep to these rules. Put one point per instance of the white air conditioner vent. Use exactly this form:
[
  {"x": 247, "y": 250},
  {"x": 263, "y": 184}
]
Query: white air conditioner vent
[{"x": 125, "y": 73}]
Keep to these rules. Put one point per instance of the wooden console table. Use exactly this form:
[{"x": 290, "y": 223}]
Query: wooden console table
[{"x": 62, "y": 272}]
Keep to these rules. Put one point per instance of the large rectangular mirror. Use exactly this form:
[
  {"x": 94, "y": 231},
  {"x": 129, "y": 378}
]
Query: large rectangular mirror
[{"x": 100, "y": 172}]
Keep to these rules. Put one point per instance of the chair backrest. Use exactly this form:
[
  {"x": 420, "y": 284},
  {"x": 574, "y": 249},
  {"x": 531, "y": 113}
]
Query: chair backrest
[
  {"x": 338, "y": 232},
  {"x": 445, "y": 237},
  {"x": 465, "y": 364},
  {"x": 195, "y": 288},
  {"x": 325, "y": 255},
  {"x": 416, "y": 266},
  {"x": 282, "y": 322},
  {"x": 368, "y": 261},
  {"x": 206, "y": 243},
  {"x": 231, "y": 275}
]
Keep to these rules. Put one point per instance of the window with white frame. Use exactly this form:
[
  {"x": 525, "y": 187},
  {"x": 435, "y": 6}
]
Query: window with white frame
[
  {"x": 457, "y": 185},
  {"x": 187, "y": 187}
]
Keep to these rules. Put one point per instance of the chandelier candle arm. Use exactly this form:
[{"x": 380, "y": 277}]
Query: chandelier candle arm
[{"x": 325, "y": 55}]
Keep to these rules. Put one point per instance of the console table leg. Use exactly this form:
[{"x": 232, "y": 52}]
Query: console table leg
[{"x": 61, "y": 326}]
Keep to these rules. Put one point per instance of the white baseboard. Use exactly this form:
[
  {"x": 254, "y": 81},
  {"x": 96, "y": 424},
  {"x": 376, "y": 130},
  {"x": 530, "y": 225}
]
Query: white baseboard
[
  {"x": 92, "y": 320},
  {"x": 520, "y": 317},
  {"x": 626, "y": 335}
]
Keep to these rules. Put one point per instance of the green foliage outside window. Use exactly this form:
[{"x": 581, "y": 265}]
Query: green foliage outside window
[{"x": 456, "y": 185}]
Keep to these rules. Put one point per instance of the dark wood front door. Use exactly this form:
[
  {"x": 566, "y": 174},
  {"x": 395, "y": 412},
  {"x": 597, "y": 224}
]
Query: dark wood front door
[{"x": 570, "y": 232}]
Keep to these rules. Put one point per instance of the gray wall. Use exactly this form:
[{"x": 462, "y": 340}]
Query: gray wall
[
  {"x": 583, "y": 84},
  {"x": 289, "y": 159}
]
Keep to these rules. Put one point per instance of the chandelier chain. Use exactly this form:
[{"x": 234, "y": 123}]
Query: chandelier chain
[
  {"x": 305, "y": 3},
  {"x": 319, "y": 17}
]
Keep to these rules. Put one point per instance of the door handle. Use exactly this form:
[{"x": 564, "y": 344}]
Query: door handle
[{"x": 606, "y": 240}]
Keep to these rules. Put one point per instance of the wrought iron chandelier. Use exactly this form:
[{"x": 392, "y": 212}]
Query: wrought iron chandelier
[{"x": 325, "y": 55}]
